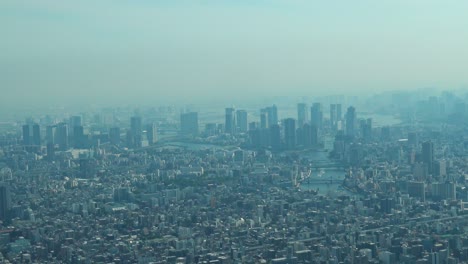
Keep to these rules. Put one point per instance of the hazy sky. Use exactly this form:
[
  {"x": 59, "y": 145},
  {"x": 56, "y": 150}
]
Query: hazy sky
[{"x": 119, "y": 50}]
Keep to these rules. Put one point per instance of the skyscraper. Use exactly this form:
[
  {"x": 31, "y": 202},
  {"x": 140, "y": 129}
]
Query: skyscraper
[
  {"x": 26, "y": 135},
  {"x": 302, "y": 116},
  {"x": 275, "y": 137},
  {"x": 263, "y": 119},
  {"x": 241, "y": 118},
  {"x": 338, "y": 112},
  {"x": 272, "y": 115},
  {"x": 189, "y": 123},
  {"x": 151, "y": 133},
  {"x": 5, "y": 202},
  {"x": 333, "y": 116},
  {"x": 50, "y": 134},
  {"x": 366, "y": 129},
  {"x": 290, "y": 133},
  {"x": 136, "y": 130},
  {"x": 428, "y": 155},
  {"x": 36, "y": 138},
  {"x": 316, "y": 115},
  {"x": 229, "y": 126},
  {"x": 73, "y": 122},
  {"x": 62, "y": 136},
  {"x": 78, "y": 137},
  {"x": 351, "y": 122}
]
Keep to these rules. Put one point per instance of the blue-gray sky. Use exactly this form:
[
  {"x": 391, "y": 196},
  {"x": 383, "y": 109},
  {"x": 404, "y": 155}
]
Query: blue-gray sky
[{"x": 123, "y": 50}]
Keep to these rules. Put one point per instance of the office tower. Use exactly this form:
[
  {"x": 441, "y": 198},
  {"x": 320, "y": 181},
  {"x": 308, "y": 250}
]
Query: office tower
[
  {"x": 272, "y": 115},
  {"x": 50, "y": 134},
  {"x": 61, "y": 136},
  {"x": 316, "y": 115},
  {"x": 302, "y": 116},
  {"x": 73, "y": 122},
  {"x": 129, "y": 139},
  {"x": 275, "y": 137},
  {"x": 333, "y": 116},
  {"x": 263, "y": 119},
  {"x": 241, "y": 118},
  {"x": 290, "y": 133},
  {"x": 78, "y": 137},
  {"x": 300, "y": 137},
  {"x": 428, "y": 155},
  {"x": 420, "y": 171},
  {"x": 338, "y": 112},
  {"x": 304, "y": 136},
  {"x": 114, "y": 135},
  {"x": 351, "y": 122},
  {"x": 189, "y": 123},
  {"x": 230, "y": 122},
  {"x": 211, "y": 129},
  {"x": 254, "y": 136},
  {"x": 50, "y": 151},
  {"x": 310, "y": 134},
  {"x": 366, "y": 129},
  {"x": 5, "y": 202},
  {"x": 446, "y": 190},
  {"x": 36, "y": 138},
  {"x": 151, "y": 133},
  {"x": 253, "y": 125},
  {"x": 136, "y": 131},
  {"x": 26, "y": 135},
  {"x": 416, "y": 189},
  {"x": 265, "y": 137}
]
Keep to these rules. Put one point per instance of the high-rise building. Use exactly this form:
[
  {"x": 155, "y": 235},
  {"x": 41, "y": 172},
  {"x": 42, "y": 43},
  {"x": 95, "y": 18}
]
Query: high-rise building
[
  {"x": 333, "y": 116},
  {"x": 136, "y": 131},
  {"x": 229, "y": 126},
  {"x": 189, "y": 123},
  {"x": 290, "y": 133},
  {"x": 351, "y": 122},
  {"x": 50, "y": 151},
  {"x": 36, "y": 138},
  {"x": 5, "y": 202},
  {"x": 303, "y": 136},
  {"x": 428, "y": 155},
  {"x": 73, "y": 122},
  {"x": 310, "y": 134},
  {"x": 61, "y": 136},
  {"x": 275, "y": 137},
  {"x": 79, "y": 137},
  {"x": 50, "y": 134},
  {"x": 417, "y": 189},
  {"x": 446, "y": 190},
  {"x": 263, "y": 119},
  {"x": 316, "y": 115},
  {"x": 302, "y": 116},
  {"x": 241, "y": 118},
  {"x": 26, "y": 135},
  {"x": 114, "y": 135},
  {"x": 338, "y": 112},
  {"x": 272, "y": 115},
  {"x": 366, "y": 129},
  {"x": 151, "y": 133}
]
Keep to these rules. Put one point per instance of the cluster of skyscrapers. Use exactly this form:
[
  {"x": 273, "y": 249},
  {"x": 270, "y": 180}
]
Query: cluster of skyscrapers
[
  {"x": 289, "y": 133},
  {"x": 62, "y": 136}
]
